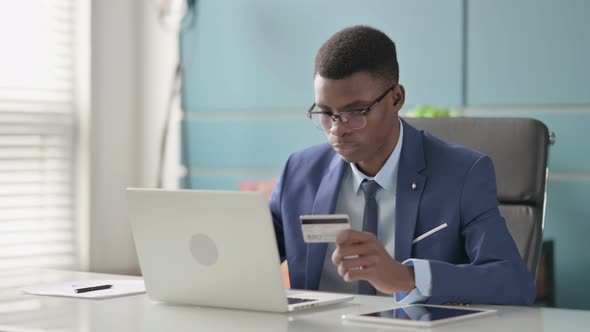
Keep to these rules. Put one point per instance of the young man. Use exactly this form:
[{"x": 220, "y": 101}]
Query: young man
[{"x": 396, "y": 183}]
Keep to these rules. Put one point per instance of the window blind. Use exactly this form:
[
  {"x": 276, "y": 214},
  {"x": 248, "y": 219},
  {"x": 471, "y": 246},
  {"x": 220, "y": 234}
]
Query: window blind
[{"x": 37, "y": 134}]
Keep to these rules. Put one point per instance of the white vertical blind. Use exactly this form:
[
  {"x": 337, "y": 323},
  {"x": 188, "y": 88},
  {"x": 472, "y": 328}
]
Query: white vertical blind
[{"x": 37, "y": 126}]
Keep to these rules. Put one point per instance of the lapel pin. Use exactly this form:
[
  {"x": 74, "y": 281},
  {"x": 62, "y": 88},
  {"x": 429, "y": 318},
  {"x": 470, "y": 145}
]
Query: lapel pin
[{"x": 414, "y": 186}]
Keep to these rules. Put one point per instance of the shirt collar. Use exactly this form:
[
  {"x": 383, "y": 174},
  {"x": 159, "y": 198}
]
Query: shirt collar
[{"x": 387, "y": 175}]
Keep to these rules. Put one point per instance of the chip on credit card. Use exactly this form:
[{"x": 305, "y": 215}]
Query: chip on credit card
[{"x": 320, "y": 228}]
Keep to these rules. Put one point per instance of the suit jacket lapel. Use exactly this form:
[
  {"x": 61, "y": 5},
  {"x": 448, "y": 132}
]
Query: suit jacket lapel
[
  {"x": 410, "y": 185},
  {"x": 324, "y": 203}
]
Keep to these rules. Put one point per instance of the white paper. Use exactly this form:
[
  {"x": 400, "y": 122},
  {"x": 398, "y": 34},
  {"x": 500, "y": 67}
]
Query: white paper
[{"x": 121, "y": 287}]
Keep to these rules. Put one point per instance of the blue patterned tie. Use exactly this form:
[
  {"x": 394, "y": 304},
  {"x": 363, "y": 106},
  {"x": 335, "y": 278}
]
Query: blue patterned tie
[{"x": 370, "y": 218}]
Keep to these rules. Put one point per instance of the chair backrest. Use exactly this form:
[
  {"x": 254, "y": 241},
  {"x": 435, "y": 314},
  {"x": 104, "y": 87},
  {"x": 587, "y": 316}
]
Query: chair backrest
[{"x": 519, "y": 150}]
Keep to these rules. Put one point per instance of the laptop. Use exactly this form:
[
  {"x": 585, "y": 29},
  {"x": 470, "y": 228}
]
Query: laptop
[{"x": 212, "y": 248}]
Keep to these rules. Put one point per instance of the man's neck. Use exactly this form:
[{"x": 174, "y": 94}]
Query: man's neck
[{"x": 372, "y": 167}]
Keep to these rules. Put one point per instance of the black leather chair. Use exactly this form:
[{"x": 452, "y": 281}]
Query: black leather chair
[{"x": 519, "y": 150}]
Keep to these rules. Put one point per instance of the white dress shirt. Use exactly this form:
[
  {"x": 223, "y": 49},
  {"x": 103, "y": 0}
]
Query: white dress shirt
[{"x": 351, "y": 201}]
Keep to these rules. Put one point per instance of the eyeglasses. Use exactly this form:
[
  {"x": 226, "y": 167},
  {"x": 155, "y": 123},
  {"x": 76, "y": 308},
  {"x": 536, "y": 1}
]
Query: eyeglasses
[{"x": 353, "y": 119}]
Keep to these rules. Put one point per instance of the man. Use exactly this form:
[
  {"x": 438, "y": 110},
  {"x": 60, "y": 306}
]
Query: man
[{"x": 396, "y": 183}]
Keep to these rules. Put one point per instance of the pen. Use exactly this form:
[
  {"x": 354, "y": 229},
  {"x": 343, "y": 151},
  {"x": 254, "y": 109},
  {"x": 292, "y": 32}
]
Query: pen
[
  {"x": 430, "y": 232},
  {"x": 93, "y": 288}
]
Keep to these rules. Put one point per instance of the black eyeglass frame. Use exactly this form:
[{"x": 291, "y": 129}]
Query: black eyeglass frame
[{"x": 337, "y": 117}]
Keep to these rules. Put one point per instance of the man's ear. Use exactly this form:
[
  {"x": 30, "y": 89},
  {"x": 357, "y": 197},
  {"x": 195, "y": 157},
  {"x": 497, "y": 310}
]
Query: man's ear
[{"x": 399, "y": 96}]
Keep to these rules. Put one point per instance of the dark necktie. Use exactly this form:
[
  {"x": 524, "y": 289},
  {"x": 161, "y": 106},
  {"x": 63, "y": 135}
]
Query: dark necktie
[{"x": 370, "y": 218}]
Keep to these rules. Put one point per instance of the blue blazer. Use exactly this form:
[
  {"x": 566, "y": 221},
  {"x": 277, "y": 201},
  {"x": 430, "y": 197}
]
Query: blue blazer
[{"x": 473, "y": 260}]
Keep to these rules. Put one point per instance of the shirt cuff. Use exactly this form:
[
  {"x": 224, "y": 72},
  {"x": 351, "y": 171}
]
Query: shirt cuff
[{"x": 423, "y": 280}]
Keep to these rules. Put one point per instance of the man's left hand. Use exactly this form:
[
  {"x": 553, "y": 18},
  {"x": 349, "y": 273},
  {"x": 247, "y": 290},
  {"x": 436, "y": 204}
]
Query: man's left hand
[{"x": 371, "y": 262}]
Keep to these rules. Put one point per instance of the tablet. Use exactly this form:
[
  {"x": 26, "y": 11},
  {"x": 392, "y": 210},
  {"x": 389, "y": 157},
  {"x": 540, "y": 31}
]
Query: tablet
[{"x": 420, "y": 315}]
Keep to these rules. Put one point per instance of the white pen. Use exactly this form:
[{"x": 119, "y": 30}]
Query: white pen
[{"x": 430, "y": 232}]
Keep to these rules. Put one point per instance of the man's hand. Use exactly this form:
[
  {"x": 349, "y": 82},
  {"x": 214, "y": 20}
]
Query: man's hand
[{"x": 373, "y": 263}]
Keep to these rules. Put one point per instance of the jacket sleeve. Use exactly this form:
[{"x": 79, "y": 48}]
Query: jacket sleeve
[
  {"x": 276, "y": 212},
  {"x": 496, "y": 273}
]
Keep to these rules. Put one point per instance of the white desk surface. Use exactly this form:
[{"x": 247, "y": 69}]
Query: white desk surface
[{"x": 138, "y": 313}]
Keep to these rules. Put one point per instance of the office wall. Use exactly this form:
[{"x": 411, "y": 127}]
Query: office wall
[
  {"x": 114, "y": 140},
  {"x": 247, "y": 84},
  {"x": 248, "y": 69},
  {"x": 527, "y": 52},
  {"x": 133, "y": 58},
  {"x": 529, "y": 58}
]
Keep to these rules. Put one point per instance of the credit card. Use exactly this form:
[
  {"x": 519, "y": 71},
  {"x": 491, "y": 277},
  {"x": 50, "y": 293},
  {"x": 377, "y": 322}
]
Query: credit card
[{"x": 320, "y": 228}]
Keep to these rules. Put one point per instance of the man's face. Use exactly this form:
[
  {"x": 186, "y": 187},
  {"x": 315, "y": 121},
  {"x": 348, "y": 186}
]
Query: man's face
[{"x": 370, "y": 146}]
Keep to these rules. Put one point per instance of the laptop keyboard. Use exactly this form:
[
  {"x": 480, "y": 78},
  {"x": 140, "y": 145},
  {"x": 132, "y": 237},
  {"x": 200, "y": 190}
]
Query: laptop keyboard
[{"x": 294, "y": 300}]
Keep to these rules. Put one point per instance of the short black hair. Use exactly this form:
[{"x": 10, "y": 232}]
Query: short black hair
[{"x": 358, "y": 49}]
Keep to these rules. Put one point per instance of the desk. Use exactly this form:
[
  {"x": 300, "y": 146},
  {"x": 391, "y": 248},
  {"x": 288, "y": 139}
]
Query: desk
[{"x": 138, "y": 313}]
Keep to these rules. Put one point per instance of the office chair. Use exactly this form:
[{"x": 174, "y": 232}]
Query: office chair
[{"x": 519, "y": 150}]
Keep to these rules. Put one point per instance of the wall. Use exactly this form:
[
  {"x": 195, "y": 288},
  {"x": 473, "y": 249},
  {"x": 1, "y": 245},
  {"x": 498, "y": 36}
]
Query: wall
[
  {"x": 114, "y": 140},
  {"x": 527, "y": 52},
  {"x": 248, "y": 67},
  {"x": 132, "y": 61},
  {"x": 529, "y": 58}
]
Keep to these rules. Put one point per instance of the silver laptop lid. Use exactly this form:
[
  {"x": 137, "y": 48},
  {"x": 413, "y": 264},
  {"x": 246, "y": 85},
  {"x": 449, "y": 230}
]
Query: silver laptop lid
[{"x": 213, "y": 248}]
